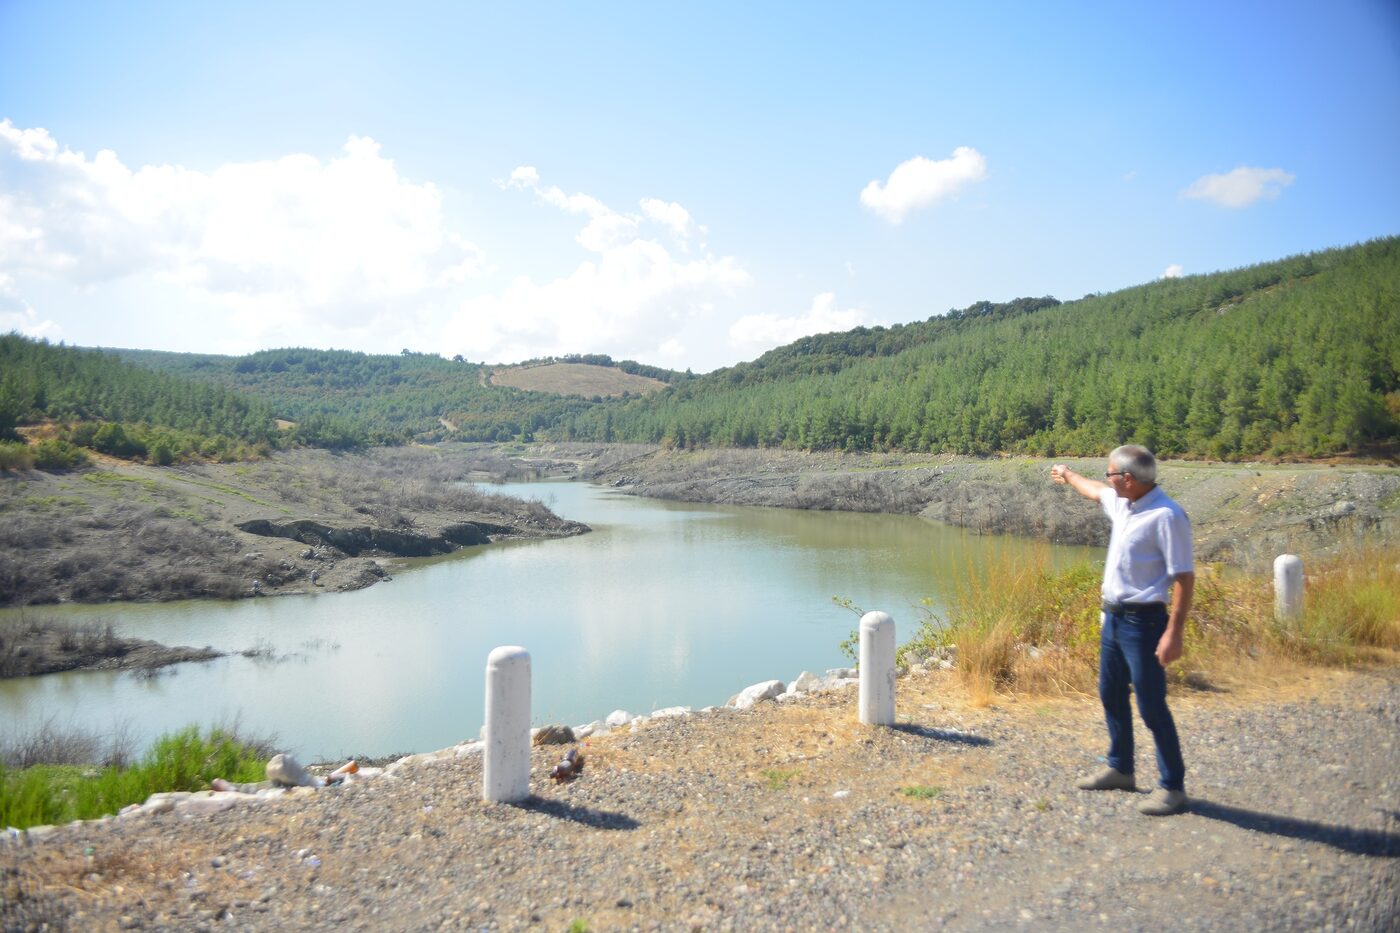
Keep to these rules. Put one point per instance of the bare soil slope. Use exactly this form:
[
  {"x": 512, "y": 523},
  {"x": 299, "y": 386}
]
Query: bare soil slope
[
  {"x": 576, "y": 379},
  {"x": 327, "y": 522},
  {"x": 1244, "y": 514}
]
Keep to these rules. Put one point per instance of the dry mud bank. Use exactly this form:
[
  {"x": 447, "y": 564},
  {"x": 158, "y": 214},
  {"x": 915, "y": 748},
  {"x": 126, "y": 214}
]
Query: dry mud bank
[
  {"x": 1243, "y": 514},
  {"x": 795, "y": 817},
  {"x": 308, "y": 521}
]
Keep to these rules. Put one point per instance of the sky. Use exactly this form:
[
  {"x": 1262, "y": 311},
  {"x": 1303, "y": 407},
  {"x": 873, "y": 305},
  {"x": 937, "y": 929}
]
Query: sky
[{"x": 687, "y": 185}]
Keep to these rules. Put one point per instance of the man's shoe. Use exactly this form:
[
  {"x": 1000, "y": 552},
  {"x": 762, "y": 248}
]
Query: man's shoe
[
  {"x": 1107, "y": 779},
  {"x": 1163, "y": 802}
]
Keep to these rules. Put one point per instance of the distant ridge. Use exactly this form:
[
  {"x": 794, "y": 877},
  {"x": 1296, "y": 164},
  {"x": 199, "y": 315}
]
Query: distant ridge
[{"x": 1290, "y": 359}]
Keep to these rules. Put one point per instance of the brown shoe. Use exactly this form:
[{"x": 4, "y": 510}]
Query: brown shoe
[
  {"x": 1163, "y": 802},
  {"x": 1107, "y": 779}
]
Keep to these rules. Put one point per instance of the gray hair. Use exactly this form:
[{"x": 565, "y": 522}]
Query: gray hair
[{"x": 1131, "y": 458}]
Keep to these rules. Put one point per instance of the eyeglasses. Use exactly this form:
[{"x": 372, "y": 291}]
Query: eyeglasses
[{"x": 1111, "y": 473}]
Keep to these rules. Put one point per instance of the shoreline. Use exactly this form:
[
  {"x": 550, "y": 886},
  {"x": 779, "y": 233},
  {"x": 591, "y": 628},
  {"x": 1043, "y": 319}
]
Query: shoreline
[
  {"x": 298, "y": 523},
  {"x": 131, "y": 533}
]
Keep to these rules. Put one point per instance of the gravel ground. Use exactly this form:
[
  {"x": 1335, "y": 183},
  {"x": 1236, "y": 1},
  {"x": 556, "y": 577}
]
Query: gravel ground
[{"x": 793, "y": 816}]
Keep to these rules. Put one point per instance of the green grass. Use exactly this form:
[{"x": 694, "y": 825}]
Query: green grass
[
  {"x": 778, "y": 778},
  {"x": 186, "y": 760},
  {"x": 922, "y": 792}
]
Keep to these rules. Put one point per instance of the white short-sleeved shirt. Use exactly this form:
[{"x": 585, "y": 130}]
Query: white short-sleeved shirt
[{"x": 1149, "y": 546}]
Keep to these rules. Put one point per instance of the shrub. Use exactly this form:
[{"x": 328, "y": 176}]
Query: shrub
[
  {"x": 15, "y": 455},
  {"x": 54, "y": 455}
]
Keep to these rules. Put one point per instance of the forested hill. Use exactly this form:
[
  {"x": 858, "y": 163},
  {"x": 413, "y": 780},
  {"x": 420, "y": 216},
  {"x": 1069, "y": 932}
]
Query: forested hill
[
  {"x": 98, "y": 401},
  {"x": 1296, "y": 358},
  {"x": 375, "y": 398},
  {"x": 1291, "y": 358}
]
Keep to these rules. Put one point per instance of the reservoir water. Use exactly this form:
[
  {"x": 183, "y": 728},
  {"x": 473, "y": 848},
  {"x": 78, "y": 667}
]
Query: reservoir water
[{"x": 663, "y": 604}]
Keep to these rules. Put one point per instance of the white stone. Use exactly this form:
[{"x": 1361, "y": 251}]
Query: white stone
[
  {"x": 469, "y": 749},
  {"x": 750, "y": 695},
  {"x": 619, "y": 717},
  {"x": 671, "y": 711},
  {"x": 592, "y": 728},
  {"x": 207, "y": 802},
  {"x": 841, "y": 673},
  {"x": 806, "y": 682},
  {"x": 288, "y": 772},
  {"x": 163, "y": 802}
]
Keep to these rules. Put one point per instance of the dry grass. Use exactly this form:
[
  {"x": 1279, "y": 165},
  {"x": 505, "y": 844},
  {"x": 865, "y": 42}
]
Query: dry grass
[
  {"x": 576, "y": 379},
  {"x": 1020, "y": 629}
]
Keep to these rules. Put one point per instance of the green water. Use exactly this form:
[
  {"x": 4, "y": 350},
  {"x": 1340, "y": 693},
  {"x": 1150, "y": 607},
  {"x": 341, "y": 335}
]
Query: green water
[{"x": 663, "y": 604}]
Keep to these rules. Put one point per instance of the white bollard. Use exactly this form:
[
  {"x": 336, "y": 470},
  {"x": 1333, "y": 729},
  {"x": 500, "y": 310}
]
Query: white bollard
[
  {"x": 1288, "y": 586},
  {"x": 877, "y": 669},
  {"x": 505, "y": 769}
]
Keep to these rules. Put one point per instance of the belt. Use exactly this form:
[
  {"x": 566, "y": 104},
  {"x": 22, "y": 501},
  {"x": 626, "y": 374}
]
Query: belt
[{"x": 1116, "y": 607}]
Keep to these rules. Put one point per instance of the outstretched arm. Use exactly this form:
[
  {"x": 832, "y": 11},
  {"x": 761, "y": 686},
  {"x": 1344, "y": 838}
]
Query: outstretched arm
[{"x": 1088, "y": 488}]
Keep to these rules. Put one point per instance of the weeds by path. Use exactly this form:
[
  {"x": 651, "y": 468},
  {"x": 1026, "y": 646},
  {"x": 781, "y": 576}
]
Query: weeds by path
[{"x": 1019, "y": 627}]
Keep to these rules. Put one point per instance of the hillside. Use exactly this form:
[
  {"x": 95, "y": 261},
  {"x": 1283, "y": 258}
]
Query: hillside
[
  {"x": 595, "y": 382},
  {"x": 1298, "y": 358},
  {"x": 1294, "y": 359}
]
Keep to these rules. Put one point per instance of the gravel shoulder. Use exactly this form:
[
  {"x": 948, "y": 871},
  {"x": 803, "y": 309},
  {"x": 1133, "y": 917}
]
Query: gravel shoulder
[{"x": 794, "y": 816}]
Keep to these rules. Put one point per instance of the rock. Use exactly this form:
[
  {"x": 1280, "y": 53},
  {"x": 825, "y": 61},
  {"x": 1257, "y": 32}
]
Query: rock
[
  {"x": 671, "y": 711},
  {"x": 806, "y": 682},
  {"x": 553, "y": 735},
  {"x": 619, "y": 717},
  {"x": 596, "y": 727},
  {"x": 286, "y": 771},
  {"x": 163, "y": 803},
  {"x": 207, "y": 802},
  {"x": 840, "y": 673},
  {"x": 766, "y": 690}
]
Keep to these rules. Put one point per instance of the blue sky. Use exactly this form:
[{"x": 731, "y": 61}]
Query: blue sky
[{"x": 683, "y": 185}]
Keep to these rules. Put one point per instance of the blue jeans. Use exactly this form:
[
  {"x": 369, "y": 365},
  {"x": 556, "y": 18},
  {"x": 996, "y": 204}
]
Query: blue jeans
[{"x": 1128, "y": 655}]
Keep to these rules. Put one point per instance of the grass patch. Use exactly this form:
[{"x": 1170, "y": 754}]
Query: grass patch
[
  {"x": 778, "y": 778},
  {"x": 922, "y": 792},
  {"x": 1019, "y": 627},
  {"x": 181, "y": 761}
]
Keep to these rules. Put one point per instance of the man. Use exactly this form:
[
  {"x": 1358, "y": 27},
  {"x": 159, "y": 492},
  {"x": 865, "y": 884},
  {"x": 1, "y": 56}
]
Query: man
[{"x": 1149, "y": 550}]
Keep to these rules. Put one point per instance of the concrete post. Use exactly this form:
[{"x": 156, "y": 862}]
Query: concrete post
[
  {"x": 877, "y": 669},
  {"x": 1288, "y": 586},
  {"x": 505, "y": 772}
]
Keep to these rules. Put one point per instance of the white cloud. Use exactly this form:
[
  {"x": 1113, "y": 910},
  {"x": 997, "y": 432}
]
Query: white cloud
[
  {"x": 288, "y": 242},
  {"x": 1173, "y": 271},
  {"x": 631, "y": 298},
  {"x": 17, "y": 315},
  {"x": 1241, "y": 187},
  {"x": 671, "y": 215},
  {"x": 754, "y": 334},
  {"x": 920, "y": 182}
]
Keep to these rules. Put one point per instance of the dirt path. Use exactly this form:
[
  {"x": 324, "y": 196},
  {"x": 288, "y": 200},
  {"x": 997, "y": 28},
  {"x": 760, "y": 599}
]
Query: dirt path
[{"x": 796, "y": 817}]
